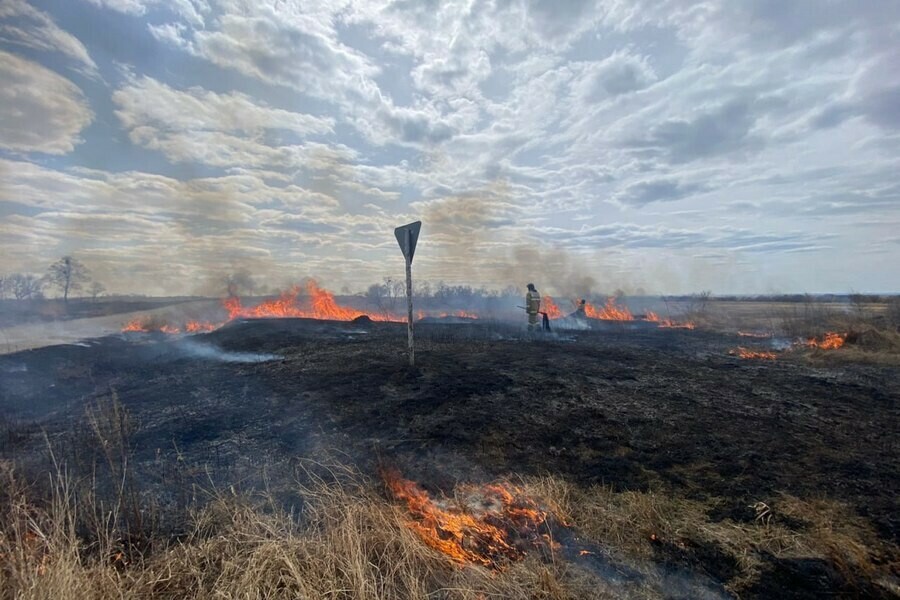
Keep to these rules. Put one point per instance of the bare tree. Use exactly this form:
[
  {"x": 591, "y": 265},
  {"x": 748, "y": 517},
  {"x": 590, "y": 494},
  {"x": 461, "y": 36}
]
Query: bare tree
[
  {"x": 4, "y": 284},
  {"x": 240, "y": 283},
  {"x": 67, "y": 274},
  {"x": 96, "y": 289},
  {"x": 25, "y": 287}
]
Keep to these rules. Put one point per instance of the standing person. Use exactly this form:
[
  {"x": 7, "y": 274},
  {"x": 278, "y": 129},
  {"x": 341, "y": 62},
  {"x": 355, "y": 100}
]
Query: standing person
[
  {"x": 532, "y": 306},
  {"x": 579, "y": 310}
]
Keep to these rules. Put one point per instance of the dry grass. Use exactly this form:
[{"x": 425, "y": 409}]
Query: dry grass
[
  {"x": 637, "y": 523},
  {"x": 348, "y": 541},
  {"x": 345, "y": 539}
]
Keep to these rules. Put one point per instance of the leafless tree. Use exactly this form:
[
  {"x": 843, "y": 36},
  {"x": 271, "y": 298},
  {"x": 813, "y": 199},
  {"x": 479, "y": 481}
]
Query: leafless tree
[
  {"x": 25, "y": 287},
  {"x": 240, "y": 283},
  {"x": 68, "y": 274},
  {"x": 96, "y": 289}
]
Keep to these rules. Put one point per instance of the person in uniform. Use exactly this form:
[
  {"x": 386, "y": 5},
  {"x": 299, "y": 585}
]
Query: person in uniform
[{"x": 579, "y": 310}]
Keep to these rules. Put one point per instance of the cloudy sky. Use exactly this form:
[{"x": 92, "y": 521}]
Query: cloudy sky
[{"x": 665, "y": 145}]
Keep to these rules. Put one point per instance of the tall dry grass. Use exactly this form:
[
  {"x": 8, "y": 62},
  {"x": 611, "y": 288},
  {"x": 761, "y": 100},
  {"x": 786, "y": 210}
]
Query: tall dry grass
[
  {"x": 344, "y": 539},
  {"x": 638, "y": 523}
]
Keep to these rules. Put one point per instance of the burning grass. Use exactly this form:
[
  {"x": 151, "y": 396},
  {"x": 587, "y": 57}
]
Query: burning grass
[
  {"x": 747, "y": 353},
  {"x": 350, "y": 541},
  {"x": 487, "y": 525},
  {"x": 668, "y": 323},
  {"x": 610, "y": 311},
  {"x": 308, "y": 301},
  {"x": 829, "y": 341}
]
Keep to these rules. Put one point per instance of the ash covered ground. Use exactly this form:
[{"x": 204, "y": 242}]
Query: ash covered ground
[{"x": 627, "y": 405}]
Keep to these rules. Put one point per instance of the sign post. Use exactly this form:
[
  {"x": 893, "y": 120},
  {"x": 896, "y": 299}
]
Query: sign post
[{"x": 407, "y": 236}]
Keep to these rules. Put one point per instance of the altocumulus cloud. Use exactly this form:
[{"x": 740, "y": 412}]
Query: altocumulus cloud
[
  {"x": 215, "y": 135},
  {"x": 42, "y": 111}
]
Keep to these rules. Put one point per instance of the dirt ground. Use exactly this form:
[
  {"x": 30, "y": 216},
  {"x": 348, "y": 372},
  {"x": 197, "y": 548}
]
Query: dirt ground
[{"x": 629, "y": 406}]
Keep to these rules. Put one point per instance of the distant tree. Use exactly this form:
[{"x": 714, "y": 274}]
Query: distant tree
[
  {"x": 423, "y": 289},
  {"x": 4, "y": 282},
  {"x": 240, "y": 283},
  {"x": 24, "y": 287},
  {"x": 96, "y": 289},
  {"x": 68, "y": 274}
]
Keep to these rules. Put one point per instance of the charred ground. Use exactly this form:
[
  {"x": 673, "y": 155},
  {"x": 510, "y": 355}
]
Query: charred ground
[{"x": 628, "y": 406}]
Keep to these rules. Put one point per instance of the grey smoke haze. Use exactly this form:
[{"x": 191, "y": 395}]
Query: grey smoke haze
[
  {"x": 201, "y": 350},
  {"x": 670, "y": 147}
]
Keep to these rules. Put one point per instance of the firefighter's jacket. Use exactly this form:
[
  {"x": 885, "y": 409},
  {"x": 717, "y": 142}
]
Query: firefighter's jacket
[{"x": 532, "y": 302}]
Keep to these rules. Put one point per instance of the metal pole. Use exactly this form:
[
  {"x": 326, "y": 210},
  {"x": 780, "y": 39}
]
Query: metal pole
[{"x": 409, "y": 304}]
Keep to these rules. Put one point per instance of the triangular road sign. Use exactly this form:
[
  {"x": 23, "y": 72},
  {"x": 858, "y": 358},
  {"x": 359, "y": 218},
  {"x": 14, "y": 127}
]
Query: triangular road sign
[{"x": 407, "y": 236}]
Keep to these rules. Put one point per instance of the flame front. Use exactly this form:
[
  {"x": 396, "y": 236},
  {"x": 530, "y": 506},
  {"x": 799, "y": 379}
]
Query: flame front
[
  {"x": 652, "y": 317},
  {"x": 549, "y": 306},
  {"x": 829, "y": 341},
  {"x": 741, "y": 352},
  {"x": 486, "y": 525},
  {"x": 135, "y": 325},
  {"x": 318, "y": 303},
  {"x": 610, "y": 312},
  {"x": 460, "y": 314}
]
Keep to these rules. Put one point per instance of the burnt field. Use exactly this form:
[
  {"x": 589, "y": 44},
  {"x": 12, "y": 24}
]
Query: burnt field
[{"x": 754, "y": 478}]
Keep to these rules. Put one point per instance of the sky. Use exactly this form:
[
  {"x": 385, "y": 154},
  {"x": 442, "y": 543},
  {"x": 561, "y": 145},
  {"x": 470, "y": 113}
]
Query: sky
[{"x": 662, "y": 146}]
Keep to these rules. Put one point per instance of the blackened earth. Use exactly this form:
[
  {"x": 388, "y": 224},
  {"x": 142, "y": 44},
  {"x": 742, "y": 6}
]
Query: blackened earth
[{"x": 631, "y": 406}]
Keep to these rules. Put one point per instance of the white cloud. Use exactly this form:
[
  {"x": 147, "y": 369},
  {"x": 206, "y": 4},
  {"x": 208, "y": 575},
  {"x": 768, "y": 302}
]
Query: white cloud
[
  {"x": 191, "y": 10},
  {"x": 751, "y": 132},
  {"x": 224, "y": 130},
  {"x": 146, "y": 101},
  {"x": 41, "y": 110},
  {"x": 22, "y": 24}
]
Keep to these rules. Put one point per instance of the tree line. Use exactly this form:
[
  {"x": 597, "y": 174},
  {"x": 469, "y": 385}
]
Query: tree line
[{"x": 66, "y": 275}]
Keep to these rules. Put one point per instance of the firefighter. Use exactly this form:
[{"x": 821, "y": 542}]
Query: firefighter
[
  {"x": 579, "y": 310},
  {"x": 532, "y": 307}
]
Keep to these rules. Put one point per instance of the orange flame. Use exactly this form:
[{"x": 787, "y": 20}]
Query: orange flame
[
  {"x": 670, "y": 324},
  {"x": 135, "y": 325},
  {"x": 318, "y": 303},
  {"x": 829, "y": 341},
  {"x": 753, "y": 354},
  {"x": 461, "y": 314},
  {"x": 200, "y": 326},
  {"x": 652, "y": 317},
  {"x": 485, "y": 525},
  {"x": 610, "y": 312},
  {"x": 549, "y": 306}
]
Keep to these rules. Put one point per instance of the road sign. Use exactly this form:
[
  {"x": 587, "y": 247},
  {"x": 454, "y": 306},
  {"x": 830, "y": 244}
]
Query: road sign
[{"x": 407, "y": 236}]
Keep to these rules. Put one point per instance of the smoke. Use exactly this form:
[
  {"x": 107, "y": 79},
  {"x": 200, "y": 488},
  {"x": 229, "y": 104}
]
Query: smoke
[
  {"x": 484, "y": 237},
  {"x": 194, "y": 349}
]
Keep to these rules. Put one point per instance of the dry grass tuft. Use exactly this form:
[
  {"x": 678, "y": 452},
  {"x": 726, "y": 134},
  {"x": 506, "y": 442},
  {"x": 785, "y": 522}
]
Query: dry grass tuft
[
  {"x": 636, "y": 524},
  {"x": 347, "y": 542},
  {"x": 866, "y": 345}
]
